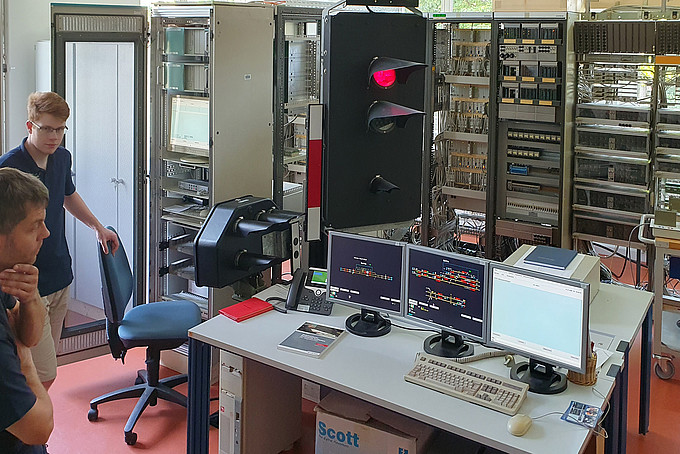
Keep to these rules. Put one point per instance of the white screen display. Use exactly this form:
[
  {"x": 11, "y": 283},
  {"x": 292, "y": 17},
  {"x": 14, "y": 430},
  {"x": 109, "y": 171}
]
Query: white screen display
[
  {"x": 538, "y": 317},
  {"x": 190, "y": 122}
]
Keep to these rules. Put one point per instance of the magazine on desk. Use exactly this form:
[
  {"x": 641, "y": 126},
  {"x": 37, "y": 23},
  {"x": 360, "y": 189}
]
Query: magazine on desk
[{"x": 312, "y": 339}]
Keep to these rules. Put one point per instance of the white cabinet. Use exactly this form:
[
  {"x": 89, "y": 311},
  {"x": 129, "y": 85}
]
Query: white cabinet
[{"x": 268, "y": 398}]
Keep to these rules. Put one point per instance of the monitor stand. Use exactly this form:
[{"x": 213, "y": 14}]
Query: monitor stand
[
  {"x": 541, "y": 377},
  {"x": 447, "y": 345},
  {"x": 368, "y": 324}
]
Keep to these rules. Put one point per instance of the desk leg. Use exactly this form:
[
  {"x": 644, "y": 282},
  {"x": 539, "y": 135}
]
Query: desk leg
[
  {"x": 623, "y": 404},
  {"x": 612, "y": 423},
  {"x": 645, "y": 371},
  {"x": 198, "y": 398}
]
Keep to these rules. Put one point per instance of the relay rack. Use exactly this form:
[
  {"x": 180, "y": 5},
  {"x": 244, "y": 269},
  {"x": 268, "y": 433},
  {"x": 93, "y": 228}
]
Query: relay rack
[{"x": 533, "y": 129}]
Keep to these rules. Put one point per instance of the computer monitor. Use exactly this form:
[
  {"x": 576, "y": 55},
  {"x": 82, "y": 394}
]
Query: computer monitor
[
  {"x": 540, "y": 316},
  {"x": 446, "y": 291},
  {"x": 366, "y": 272},
  {"x": 189, "y": 123}
]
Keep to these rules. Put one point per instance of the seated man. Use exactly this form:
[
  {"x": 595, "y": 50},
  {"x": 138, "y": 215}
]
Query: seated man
[{"x": 26, "y": 419}]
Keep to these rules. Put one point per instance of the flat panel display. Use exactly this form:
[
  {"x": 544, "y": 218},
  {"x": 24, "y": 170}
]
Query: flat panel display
[
  {"x": 190, "y": 122},
  {"x": 365, "y": 272},
  {"x": 447, "y": 291},
  {"x": 540, "y": 316}
]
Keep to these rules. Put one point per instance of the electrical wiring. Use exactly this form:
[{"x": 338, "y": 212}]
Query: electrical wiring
[
  {"x": 594, "y": 252},
  {"x": 627, "y": 258}
]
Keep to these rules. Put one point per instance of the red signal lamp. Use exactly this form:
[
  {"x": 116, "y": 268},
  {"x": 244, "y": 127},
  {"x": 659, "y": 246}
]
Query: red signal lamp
[
  {"x": 385, "y": 71},
  {"x": 386, "y": 78}
]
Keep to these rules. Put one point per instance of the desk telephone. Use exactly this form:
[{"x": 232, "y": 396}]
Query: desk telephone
[{"x": 307, "y": 292}]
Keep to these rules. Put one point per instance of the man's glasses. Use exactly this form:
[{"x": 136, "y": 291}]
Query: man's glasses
[{"x": 47, "y": 130}]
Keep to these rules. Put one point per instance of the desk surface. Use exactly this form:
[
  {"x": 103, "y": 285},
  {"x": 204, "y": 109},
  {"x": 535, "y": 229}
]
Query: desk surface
[
  {"x": 619, "y": 311},
  {"x": 373, "y": 369}
]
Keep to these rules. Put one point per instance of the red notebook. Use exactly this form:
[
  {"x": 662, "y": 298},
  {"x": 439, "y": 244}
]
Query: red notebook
[{"x": 246, "y": 309}]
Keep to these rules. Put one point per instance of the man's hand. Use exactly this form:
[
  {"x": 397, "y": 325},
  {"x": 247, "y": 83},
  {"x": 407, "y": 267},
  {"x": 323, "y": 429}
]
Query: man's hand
[
  {"x": 105, "y": 235},
  {"x": 21, "y": 281}
]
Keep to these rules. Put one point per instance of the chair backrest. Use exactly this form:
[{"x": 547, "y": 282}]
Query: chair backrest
[{"x": 117, "y": 282}]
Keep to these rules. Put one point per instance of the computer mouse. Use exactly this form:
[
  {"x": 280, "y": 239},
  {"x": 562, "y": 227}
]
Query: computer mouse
[{"x": 519, "y": 424}]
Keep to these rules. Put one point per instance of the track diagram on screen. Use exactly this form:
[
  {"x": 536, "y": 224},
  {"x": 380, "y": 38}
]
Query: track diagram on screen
[
  {"x": 366, "y": 271},
  {"x": 450, "y": 276},
  {"x": 453, "y": 300}
]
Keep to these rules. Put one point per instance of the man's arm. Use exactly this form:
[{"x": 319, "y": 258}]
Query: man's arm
[
  {"x": 35, "y": 427},
  {"x": 77, "y": 207},
  {"x": 21, "y": 282}
]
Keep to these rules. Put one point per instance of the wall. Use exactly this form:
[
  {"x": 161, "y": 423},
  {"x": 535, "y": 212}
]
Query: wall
[{"x": 27, "y": 22}]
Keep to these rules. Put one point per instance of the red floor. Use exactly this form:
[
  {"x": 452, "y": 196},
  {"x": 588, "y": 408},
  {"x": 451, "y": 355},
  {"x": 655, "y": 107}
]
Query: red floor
[{"x": 162, "y": 429}]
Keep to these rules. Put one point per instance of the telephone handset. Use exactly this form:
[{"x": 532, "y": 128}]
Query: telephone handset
[{"x": 307, "y": 292}]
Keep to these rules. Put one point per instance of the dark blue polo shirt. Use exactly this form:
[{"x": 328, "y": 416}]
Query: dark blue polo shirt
[
  {"x": 16, "y": 398},
  {"x": 54, "y": 260}
]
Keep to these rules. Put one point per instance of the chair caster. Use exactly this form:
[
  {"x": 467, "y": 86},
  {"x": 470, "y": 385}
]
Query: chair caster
[
  {"x": 139, "y": 381},
  {"x": 92, "y": 414},
  {"x": 666, "y": 371},
  {"x": 130, "y": 438}
]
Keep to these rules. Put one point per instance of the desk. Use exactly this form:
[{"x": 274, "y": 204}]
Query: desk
[
  {"x": 666, "y": 307},
  {"x": 621, "y": 312},
  {"x": 372, "y": 369}
]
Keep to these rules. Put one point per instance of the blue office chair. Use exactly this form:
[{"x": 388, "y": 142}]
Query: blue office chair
[{"x": 156, "y": 326}]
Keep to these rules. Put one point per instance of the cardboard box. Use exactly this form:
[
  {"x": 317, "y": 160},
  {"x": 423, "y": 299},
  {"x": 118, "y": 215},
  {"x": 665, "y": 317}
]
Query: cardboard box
[
  {"x": 345, "y": 424},
  {"x": 532, "y": 5}
]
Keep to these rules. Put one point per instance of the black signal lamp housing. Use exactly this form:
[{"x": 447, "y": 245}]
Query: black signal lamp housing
[{"x": 385, "y": 116}]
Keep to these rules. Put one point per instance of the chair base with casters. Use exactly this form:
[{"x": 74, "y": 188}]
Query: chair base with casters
[
  {"x": 155, "y": 326},
  {"x": 149, "y": 388}
]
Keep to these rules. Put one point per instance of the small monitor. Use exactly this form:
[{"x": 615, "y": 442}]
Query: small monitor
[
  {"x": 316, "y": 278},
  {"x": 542, "y": 317},
  {"x": 189, "y": 123},
  {"x": 446, "y": 291},
  {"x": 366, "y": 272}
]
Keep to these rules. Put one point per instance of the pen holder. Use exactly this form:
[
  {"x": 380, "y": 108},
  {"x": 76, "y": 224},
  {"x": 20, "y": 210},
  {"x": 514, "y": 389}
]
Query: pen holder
[{"x": 590, "y": 377}]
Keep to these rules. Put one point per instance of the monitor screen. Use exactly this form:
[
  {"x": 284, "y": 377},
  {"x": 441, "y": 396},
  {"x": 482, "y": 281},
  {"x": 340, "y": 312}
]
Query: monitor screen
[
  {"x": 190, "y": 122},
  {"x": 365, "y": 272},
  {"x": 539, "y": 316},
  {"x": 316, "y": 278},
  {"x": 447, "y": 291}
]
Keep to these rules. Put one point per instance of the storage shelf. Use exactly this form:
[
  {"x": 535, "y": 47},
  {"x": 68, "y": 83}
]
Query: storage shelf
[{"x": 467, "y": 80}]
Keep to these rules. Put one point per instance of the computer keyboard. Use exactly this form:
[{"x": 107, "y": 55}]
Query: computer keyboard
[{"x": 467, "y": 383}]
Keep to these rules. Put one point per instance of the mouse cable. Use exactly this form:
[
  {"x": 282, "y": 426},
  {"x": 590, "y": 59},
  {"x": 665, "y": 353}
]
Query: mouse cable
[
  {"x": 601, "y": 432},
  {"x": 598, "y": 430},
  {"x": 547, "y": 414}
]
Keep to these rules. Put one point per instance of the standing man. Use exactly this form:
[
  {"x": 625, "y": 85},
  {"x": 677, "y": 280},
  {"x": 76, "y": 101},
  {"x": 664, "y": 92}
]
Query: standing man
[
  {"x": 42, "y": 155},
  {"x": 26, "y": 418}
]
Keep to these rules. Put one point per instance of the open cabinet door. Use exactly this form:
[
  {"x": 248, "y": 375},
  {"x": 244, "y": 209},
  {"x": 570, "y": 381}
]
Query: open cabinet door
[{"x": 99, "y": 67}]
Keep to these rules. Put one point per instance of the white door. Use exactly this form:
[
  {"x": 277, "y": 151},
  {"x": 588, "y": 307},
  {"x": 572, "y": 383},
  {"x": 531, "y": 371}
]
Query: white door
[{"x": 100, "y": 92}]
